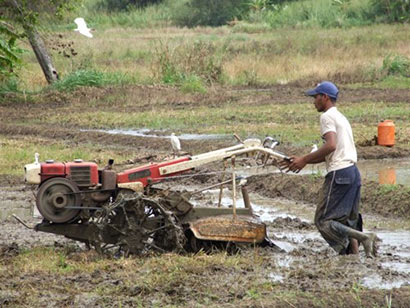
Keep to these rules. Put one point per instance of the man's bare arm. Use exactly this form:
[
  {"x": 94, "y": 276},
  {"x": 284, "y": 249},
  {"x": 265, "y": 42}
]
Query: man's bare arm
[
  {"x": 298, "y": 163},
  {"x": 328, "y": 147}
]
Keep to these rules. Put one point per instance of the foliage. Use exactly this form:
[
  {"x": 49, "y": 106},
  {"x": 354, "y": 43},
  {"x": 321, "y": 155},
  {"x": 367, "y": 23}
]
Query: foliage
[
  {"x": 9, "y": 58},
  {"x": 91, "y": 78},
  {"x": 27, "y": 13},
  {"x": 193, "y": 13},
  {"x": 391, "y": 10},
  {"x": 314, "y": 13},
  {"x": 398, "y": 65},
  {"x": 9, "y": 52},
  {"x": 177, "y": 64},
  {"x": 124, "y": 5}
]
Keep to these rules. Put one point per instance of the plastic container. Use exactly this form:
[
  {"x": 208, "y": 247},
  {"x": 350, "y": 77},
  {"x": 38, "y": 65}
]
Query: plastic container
[{"x": 385, "y": 133}]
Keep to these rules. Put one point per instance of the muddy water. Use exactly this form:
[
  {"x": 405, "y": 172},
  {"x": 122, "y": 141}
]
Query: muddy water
[
  {"x": 148, "y": 133},
  {"x": 383, "y": 171},
  {"x": 289, "y": 225},
  {"x": 291, "y": 229}
]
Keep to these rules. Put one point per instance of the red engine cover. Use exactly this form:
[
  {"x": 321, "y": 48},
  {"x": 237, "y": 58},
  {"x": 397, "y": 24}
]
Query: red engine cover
[
  {"x": 143, "y": 173},
  {"x": 51, "y": 170},
  {"x": 82, "y": 173}
]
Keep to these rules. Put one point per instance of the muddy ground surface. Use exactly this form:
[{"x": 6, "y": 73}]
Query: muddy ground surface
[
  {"x": 15, "y": 110},
  {"x": 301, "y": 262}
]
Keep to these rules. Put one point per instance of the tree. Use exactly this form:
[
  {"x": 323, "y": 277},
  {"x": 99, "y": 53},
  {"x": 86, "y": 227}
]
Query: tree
[
  {"x": 25, "y": 14},
  {"x": 9, "y": 52},
  {"x": 194, "y": 13},
  {"x": 124, "y": 5}
]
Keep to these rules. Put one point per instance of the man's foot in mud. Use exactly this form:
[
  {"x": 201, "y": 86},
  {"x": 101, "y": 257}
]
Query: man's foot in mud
[{"x": 370, "y": 245}]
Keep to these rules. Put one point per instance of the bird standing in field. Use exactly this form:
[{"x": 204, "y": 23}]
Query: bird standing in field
[
  {"x": 176, "y": 145},
  {"x": 82, "y": 27},
  {"x": 314, "y": 149}
]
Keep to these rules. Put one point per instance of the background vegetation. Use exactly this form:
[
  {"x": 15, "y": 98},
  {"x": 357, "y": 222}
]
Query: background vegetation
[{"x": 257, "y": 42}]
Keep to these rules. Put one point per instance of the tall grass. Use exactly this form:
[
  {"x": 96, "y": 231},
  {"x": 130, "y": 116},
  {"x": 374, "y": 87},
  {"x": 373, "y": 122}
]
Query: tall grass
[
  {"x": 306, "y": 13},
  {"x": 91, "y": 78},
  {"x": 316, "y": 13}
]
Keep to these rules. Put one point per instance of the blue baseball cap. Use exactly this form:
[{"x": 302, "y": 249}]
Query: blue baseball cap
[{"x": 325, "y": 87}]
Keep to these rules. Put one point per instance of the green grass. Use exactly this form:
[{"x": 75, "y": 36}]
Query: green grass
[
  {"x": 295, "y": 126},
  {"x": 225, "y": 56},
  {"x": 16, "y": 152},
  {"x": 170, "y": 280},
  {"x": 91, "y": 78}
]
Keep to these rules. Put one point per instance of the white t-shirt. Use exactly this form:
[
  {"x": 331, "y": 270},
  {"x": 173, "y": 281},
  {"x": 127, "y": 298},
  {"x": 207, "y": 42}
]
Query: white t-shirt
[{"x": 345, "y": 154}]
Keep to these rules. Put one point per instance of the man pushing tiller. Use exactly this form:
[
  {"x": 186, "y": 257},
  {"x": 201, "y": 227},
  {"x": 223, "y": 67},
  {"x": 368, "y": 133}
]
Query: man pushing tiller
[{"x": 337, "y": 214}]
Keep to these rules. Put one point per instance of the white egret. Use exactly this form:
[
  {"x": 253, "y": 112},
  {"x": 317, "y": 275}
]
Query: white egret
[
  {"x": 176, "y": 145},
  {"x": 82, "y": 27},
  {"x": 314, "y": 149}
]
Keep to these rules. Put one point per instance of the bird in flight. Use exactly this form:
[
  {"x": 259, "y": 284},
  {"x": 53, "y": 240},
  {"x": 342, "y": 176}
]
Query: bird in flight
[{"x": 82, "y": 27}]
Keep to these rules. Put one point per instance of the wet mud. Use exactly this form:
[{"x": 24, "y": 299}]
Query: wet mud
[{"x": 301, "y": 262}]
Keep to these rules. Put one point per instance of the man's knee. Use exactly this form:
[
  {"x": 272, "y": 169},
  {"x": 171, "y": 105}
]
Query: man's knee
[{"x": 323, "y": 225}]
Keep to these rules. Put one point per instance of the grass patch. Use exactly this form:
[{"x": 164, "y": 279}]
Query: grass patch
[
  {"x": 225, "y": 55},
  {"x": 60, "y": 276},
  {"x": 298, "y": 127},
  {"x": 91, "y": 78},
  {"x": 16, "y": 152}
]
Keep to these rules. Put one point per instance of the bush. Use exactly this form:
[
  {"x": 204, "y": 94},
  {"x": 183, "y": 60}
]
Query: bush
[
  {"x": 124, "y": 5},
  {"x": 91, "y": 78},
  {"x": 391, "y": 10},
  {"x": 193, "y": 13},
  {"x": 397, "y": 65},
  {"x": 177, "y": 64},
  {"x": 10, "y": 53}
]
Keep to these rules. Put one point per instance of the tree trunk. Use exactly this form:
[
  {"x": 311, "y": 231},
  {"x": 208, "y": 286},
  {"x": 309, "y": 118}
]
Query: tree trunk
[
  {"x": 42, "y": 55},
  {"x": 36, "y": 43}
]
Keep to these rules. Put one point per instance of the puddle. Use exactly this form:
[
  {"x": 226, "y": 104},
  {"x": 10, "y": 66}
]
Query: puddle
[
  {"x": 286, "y": 261},
  {"x": 397, "y": 266},
  {"x": 145, "y": 132},
  {"x": 287, "y": 247},
  {"x": 395, "y": 243},
  {"x": 298, "y": 237},
  {"x": 266, "y": 209},
  {"x": 375, "y": 281},
  {"x": 274, "y": 277},
  {"x": 383, "y": 171},
  {"x": 386, "y": 171}
]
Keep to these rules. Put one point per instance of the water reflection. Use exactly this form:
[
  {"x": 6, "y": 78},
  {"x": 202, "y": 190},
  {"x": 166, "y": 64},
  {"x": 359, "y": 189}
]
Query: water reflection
[{"x": 387, "y": 176}]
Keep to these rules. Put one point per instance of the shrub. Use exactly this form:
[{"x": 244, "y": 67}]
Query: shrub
[
  {"x": 91, "y": 78},
  {"x": 391, "y": 10},
  {"x": 193, "y": 13},
  {"x": 124, "y": 5},
  {"x": 10, "y": 54},
  {"x": 176, "y": 64},
  {"x": 396, "y": 65}
]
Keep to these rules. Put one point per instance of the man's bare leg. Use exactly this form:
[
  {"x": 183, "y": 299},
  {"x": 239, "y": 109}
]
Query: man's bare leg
[{"x": 354, "y": 246}]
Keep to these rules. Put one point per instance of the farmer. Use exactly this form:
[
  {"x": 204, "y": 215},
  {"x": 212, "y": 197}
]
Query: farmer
[{"x": 337, "y": 214}]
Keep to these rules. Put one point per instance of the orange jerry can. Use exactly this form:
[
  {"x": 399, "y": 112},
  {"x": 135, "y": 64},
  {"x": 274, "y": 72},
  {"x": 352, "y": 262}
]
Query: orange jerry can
[{"x": 385, "y": 133}]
